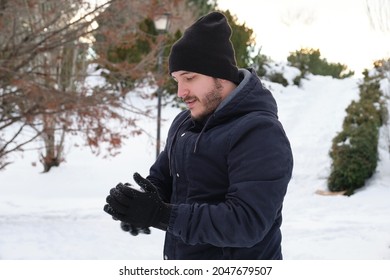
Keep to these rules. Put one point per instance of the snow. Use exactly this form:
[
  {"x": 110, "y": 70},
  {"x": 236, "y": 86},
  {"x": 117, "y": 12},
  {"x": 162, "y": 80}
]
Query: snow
[{"x": 59, "y": 215}]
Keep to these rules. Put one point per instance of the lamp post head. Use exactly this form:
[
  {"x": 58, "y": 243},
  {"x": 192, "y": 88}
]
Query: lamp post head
[{"x": 161, "y": 22}]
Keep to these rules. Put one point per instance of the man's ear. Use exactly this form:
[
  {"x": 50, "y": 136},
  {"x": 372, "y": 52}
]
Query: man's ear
[{"x": 227, "y": 85}]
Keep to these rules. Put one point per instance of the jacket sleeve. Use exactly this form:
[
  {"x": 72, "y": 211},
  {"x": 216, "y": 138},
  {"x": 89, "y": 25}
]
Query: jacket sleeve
[
  {"x": 259, "y": 163},
  {"x": 159, "y": 175}
]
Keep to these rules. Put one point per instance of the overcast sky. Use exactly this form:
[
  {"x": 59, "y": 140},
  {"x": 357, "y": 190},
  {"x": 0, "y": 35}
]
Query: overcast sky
[{"x": 339, "y": 28}]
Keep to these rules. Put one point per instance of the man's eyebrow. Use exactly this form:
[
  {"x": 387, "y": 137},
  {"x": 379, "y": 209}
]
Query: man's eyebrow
[{"x": 182, "y": 74}]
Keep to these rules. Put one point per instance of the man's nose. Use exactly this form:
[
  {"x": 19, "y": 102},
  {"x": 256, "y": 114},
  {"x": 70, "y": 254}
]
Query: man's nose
[{"x": 182, "y": 91}]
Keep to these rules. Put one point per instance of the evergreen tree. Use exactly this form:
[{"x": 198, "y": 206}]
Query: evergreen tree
[
  {"x": 310, "y": 61},
  {"x": 243, "y": 40}
]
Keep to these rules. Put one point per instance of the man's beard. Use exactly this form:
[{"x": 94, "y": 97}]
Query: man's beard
[{"x": 210, "y": 102}]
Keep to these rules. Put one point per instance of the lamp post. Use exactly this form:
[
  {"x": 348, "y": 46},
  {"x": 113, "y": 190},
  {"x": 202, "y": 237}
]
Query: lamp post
[{"x": 161, "y": 23}]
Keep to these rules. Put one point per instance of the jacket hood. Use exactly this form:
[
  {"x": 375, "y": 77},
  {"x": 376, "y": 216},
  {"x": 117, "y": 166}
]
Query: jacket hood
[{"x": 249, "y": 96}]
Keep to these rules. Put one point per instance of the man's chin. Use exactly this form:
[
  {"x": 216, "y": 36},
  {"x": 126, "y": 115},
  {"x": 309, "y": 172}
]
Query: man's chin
[
  {"x": 196, "y": 118},
  {"x": 199, "y": 117}
]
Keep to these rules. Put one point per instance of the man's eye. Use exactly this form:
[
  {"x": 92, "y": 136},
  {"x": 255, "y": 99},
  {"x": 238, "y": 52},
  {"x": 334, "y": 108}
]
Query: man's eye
[{"x": 189, "y": 78}]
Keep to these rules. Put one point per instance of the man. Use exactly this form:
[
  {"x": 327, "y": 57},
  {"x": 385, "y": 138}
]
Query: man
[{"x": 217, "y": 189}]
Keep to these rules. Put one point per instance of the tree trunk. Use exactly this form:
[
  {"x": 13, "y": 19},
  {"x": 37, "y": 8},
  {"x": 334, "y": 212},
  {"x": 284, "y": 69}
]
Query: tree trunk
[{"x": 53, "y": 151}]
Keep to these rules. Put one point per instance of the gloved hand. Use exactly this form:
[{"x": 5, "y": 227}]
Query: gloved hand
[
  {"x": 140, "y": 209},
  {"x": 134, "y": 230}
]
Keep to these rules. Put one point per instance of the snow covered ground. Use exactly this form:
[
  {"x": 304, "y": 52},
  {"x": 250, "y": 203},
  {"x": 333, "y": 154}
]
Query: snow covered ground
[{"x": 59, "y": 216}]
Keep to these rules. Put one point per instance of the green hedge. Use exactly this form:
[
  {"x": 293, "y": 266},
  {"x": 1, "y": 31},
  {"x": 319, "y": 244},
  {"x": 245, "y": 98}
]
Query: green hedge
[
  {"x": 309, "y": 60},
  {"x": 354, "y": 150}
]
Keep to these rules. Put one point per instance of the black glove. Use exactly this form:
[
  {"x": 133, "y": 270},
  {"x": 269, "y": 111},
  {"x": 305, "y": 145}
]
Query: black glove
[
  {"x": 140, "y": 209},
  {"x": 134, "y": 230}
]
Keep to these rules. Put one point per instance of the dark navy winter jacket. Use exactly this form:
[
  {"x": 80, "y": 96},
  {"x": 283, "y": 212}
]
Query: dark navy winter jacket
[{"x": 227, "y": 178}]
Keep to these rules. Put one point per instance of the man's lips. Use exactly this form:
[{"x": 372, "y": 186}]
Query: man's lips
[{"x": 190, "y": 102}]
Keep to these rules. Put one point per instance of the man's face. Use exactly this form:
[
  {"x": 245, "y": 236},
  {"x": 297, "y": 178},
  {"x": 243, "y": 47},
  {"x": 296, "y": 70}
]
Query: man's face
[{"x": 202, "y": 94}]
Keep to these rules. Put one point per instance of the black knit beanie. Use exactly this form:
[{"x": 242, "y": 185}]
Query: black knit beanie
[{"x": 205, "y": 48}]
